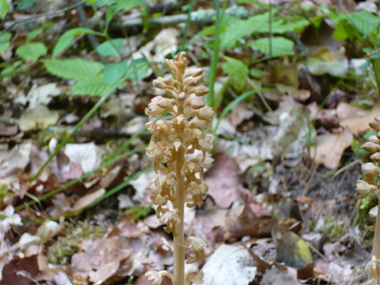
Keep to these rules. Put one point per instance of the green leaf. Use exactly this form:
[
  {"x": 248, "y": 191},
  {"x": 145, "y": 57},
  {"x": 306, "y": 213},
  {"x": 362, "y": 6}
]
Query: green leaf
[
  {"x": 4, "y": 7},
  {"x": 375, "y": 39},
  {"x": 364, "y": 21},
  {"x": 38, "y": 31},
  {"x": 375, "y": 55},
  {"x": 114, "y": 71},
  {"x": 298, "y": 26},
  {"x": 280, "y": 46},
  {"x": 119, "y": 5},
  {"x": 108, "y": 49},
  {"x": 237, "y": 70},
  {"x": 138, "y": 69},
  {"x": 256, "y": 73},
  {"x": 239, "y": 29},
  {"x": 66, "y": 40},
  {"x": 5, "y": 41},
  {"x": 11, "y": 69},
  {"x": 31, "y": 51},
  {"x": 73, "y": 68},
  {"x": 94, "y": 86},
  {"x": 366, "y": 64},
  {"x": 91, "y": 2},
  {"x": 24, "y": 4}
]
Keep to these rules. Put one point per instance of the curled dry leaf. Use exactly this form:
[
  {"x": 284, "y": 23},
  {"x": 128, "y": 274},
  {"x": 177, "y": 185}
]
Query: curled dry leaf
[
  {"x": 223, "y": 181},
  {"x": 37, "y": 118},
  {"x": 229, "y": 265},
  {"x": 330, "y": 148},
  {"x": 357, "y": 119},
  {"x": 99, "y": 259},
  {"x": 248, "y": 220},
  {"x": 85, "y": 154}
]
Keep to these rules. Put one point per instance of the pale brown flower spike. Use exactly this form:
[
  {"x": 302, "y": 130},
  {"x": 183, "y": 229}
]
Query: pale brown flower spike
[
  {"x": 369, "y": 185},
  {"x": 179, "y": 151}
]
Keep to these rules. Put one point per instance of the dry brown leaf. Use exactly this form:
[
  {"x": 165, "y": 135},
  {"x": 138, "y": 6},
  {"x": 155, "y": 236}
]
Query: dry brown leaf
[
  {"x": 357, "y": 119},
  {"x": 20, "y": 271},
  {"x": 239, "y": 113},
  {"x": 88, "y": 198},
  {"x": 99, "y": 259},
  {"x": 248, "y": 220},
  {"x": 330, "y": 148},
  {"x": 223, "y": 181}
]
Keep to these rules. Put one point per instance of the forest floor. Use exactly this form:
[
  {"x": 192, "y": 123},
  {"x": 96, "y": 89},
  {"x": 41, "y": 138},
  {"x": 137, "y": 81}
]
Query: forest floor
[{"x": 294, "y": 86}]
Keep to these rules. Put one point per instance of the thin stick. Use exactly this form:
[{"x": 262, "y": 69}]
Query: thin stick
[
  {"x": 43, "y": 15},
  {"x": 310, "y": 179}
]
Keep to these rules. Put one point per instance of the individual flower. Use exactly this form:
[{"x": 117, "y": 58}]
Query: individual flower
[
  {"x": 156, "y": 276},
  {"x": 198, "y": 247}
]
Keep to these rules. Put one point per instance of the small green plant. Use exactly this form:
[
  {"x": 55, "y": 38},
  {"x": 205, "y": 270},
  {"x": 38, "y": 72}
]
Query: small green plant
[
  {"x": 61, "y": 251},
  {"x": 4, "y": 192},
  {"x": 139, "y": 212},
  {"x": 362, "y": 28}
]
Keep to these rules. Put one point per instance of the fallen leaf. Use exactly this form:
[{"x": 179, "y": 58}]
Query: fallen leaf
[
  {"x": 223, "y": 181},
  {"x": 357, "y": 119},
  {"x": 248, "y": 220},
  {"x": 329, "y": 61},
  {"x": 47, "y": 230},
  {"x": 88, "y": 198},
  {"x": 85, "y": 154},
  {"x": 239, "y": 113},
  {"x": 275, "y": 275},
  {"x": 165, "y": 42},
  {"x": 20, "y": 271},
  {"x": 330, "y": 148},
  {"x": 291, "y": 248},
  {"x": 14, "y": 160},
  {"x": 229, "y": 265},
  {"x": 37, "y": 118},
  {"x": 42, "y": 95},
  {"x": 99, "y": 259}
]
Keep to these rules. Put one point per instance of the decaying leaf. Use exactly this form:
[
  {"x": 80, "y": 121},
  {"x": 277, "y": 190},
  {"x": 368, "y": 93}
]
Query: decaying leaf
[
  {"x": 88, "y": 198},
  {"x": 21, "y": 271},
  {"x": 37, "y": 118},
  {"x": 229, "y": 265},
  {"x": 99, "y": 259},
  {"x": 330, "y": 148},
  {"x": 248, "y": 220},
  {"x": 291, "y": 249},
  {"x": 275, "y": 275},
  {"x": 85, "y": 154},
  {"x": 223, "y": 181},
  {"x": 357, "y": 119},
  {"x": 16, "y": 159}
]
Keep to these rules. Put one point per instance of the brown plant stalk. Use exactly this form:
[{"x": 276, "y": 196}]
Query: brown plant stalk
[
  {"x": 369, "y": 185},
  {"x": 179, "y": 151}
]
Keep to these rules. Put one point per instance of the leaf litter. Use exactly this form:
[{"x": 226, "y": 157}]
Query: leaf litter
[{"x": 281, "y": 205}]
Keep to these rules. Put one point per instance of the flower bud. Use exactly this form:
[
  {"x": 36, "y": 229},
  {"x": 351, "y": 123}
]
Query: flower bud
[
  {"x": 364, "y": 188},
  {"x": 375, "y": 125},
  {"x": 376, "y": 157},
  {"x": 371, "y": 147},
  {"x": 370, "y": 169},
  {"x": 373, "y": 139}
]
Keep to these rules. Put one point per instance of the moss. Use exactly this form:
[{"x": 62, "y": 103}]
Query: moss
[
  {"x": 61, "y": 251},
  {"x": 4, "y": 191},
  {"x": 138, "y": 212},
  {"x": 332, "y": 229}
]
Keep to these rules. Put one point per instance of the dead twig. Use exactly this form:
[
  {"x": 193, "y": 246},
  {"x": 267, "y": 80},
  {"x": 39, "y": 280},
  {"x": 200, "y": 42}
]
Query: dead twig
[{"x": 43, "y": 15}]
